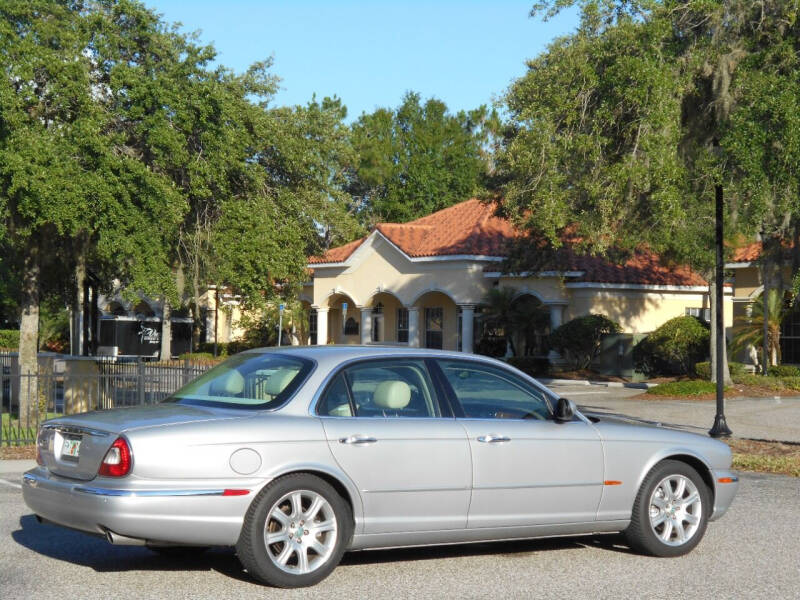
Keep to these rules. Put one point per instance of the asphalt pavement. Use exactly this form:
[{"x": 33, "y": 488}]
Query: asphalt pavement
[{"x": 750, "y": 553}]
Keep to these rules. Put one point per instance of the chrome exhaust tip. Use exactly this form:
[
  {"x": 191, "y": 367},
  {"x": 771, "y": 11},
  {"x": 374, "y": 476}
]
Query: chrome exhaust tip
[{"x": 123, "y": 540}]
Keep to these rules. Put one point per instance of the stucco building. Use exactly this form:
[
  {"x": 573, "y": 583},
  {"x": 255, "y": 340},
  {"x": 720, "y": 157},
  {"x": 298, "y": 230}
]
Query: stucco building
[{"x": 422, "y": 284}]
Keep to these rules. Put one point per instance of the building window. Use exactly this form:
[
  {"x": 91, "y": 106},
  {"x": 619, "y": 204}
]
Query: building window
[
  {"x": 351, "y": 326},
  {"x": 460, "y": 345},
  {"x": 790, "y": 338},
  {"x": 402, "y": 325},
  {"x": 704, "y": 314},
  {"x": 377, "y": 322},
  {"x": 312, "y": 328},
  {"x": 434, "y": 325}
]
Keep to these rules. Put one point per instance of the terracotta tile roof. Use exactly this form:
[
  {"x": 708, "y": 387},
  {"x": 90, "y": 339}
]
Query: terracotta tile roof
[
  {"x": 339, "y": 254},
  {"x": 747, "y": 253},
  {"x": 471, "y": 228}
]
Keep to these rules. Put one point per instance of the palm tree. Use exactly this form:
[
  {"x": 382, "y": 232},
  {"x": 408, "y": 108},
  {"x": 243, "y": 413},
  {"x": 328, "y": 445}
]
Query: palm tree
[
  {"x": 503, "y": 309},
  {"x": 750, "y": 330}
]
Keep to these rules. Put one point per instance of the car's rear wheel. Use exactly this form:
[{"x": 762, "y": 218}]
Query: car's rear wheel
[
  {"x": 295, "y": 532},
  {"x": 671, "y": 510}
]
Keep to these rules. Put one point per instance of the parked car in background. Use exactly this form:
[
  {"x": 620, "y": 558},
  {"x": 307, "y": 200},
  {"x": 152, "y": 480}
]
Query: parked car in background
[{"x": 295, "y": 456}]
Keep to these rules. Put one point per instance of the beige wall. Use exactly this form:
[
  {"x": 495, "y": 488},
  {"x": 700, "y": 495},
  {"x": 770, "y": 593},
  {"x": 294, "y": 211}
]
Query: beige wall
[
  {"x": 639, "y": 311},
  {"x": 378, "y": 266}
]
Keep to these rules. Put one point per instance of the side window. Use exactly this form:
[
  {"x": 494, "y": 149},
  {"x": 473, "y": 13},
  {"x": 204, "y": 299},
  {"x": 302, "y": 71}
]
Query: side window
[
  {"x": 386, "y": 388},
  {"x": 487, "y": 392},
  {"x": 336, "y": 401}
]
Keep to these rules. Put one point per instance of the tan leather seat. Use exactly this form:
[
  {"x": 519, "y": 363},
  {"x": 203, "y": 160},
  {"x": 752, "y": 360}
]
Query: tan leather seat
[
  {"x": 392, "y": 394},
  {"x": 230, "y": 384},
  {"x": 279, "y": 381}
]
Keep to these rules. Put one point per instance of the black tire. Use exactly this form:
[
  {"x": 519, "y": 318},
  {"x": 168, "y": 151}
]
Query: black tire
[
  {"x": 261, "y": 560},
  {"x": 183, "y": 552},
  {"x": 680, "y": 514}
]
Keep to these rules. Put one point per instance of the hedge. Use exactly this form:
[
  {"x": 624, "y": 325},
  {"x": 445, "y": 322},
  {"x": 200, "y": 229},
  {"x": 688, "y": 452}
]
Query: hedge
[
  {"x": 703, "y": 369},
  {"x": 672, "y": 349}
]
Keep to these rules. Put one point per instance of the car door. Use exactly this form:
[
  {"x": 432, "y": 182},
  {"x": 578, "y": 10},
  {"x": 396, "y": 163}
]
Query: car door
[
  {"x": 385, "y": 427},
  {"x": 527, "y": 468}
]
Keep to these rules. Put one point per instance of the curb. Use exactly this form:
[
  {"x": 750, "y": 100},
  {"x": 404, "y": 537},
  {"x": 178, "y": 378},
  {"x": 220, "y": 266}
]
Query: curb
[{"x": 611, "y": 384}]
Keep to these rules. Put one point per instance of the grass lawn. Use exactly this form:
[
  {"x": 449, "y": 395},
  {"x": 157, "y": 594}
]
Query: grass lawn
[{"x": 749, "y": 386}]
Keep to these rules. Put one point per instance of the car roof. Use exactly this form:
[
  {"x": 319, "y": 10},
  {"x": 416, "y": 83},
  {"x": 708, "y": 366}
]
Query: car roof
[{"x": 330, "y": 355}]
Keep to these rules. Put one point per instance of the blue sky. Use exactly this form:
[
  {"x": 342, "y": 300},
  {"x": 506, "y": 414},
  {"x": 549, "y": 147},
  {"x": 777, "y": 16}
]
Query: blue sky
[{"x": 370, "y": 53}]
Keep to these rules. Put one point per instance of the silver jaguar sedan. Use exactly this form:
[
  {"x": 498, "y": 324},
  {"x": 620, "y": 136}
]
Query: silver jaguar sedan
[{"x": 298, "y": 455}]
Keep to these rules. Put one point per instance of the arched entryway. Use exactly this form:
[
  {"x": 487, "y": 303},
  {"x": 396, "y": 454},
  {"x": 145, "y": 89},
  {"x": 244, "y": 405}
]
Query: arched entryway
[{"x": 343, "y": 323}]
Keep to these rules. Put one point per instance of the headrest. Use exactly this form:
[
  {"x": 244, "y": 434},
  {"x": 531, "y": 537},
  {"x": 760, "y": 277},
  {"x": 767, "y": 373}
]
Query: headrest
[
  {"x": 278, "y": 381},
  {"x": 392, "y": 394},
  {"x": 230, "y": 384}
]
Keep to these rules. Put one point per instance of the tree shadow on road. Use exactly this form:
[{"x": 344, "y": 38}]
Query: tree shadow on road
[{"x": 96, "y": 553}]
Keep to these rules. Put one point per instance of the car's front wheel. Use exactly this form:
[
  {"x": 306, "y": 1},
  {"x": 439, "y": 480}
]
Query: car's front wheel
[
  {"x": 671, "y": 510},
  {"x": 295, "y": 531}
]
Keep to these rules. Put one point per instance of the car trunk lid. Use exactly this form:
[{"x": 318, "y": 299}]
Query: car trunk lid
[{"x": 74, "y": 446}]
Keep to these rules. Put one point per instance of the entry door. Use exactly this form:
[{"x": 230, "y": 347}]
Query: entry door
[
  {"x": 527, "y": 468},
  {"x": 385, "y": 428}
]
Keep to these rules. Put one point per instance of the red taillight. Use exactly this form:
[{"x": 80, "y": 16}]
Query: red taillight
[{"x": 117, "y": 462}]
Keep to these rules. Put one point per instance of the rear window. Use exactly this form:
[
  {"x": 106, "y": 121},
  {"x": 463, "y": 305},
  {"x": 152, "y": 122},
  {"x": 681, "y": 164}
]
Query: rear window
[{"x": 251, "y": 381}]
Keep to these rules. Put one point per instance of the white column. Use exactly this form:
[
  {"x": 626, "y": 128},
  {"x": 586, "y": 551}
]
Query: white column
[
  {"x": 366, "y": 326},
  {"x": 413, "y": 327},
  {"x": 467, "y": 327},
  {"x": 556, "y": 318},
  {"x": 322, "y": 326}
]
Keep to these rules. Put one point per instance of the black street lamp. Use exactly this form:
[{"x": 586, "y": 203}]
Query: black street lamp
[{"x": 720, "y": 427}]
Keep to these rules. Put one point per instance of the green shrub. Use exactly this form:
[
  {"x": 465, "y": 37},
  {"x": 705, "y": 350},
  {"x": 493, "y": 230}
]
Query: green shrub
[
  {"x": 672, "y": 349},
  {"x": 791, "y": 383},
  {"x": 783, "y": 371},
  {"x": 703, "y": 369},
  {"x": 693, "y": 387},
  {"x": 9, "y": 339},
  {"x": 198, "y": 357},
  {"x": 535, "y": 366},
  {"x": 580, "y": 338}
]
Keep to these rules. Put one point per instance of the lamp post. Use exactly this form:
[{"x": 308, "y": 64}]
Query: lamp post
[
  {"x": 765, "y": 305},
  {"x": 720, "y": 427}
]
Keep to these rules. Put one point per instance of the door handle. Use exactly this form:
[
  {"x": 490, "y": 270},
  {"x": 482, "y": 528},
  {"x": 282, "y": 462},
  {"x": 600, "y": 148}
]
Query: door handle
[
  {"x": 358, "y": 440},
  {"x": 493, "y": 439}
]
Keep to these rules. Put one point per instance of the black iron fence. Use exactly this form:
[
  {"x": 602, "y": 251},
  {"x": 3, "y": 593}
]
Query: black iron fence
[{"x": 65, "y": 385}]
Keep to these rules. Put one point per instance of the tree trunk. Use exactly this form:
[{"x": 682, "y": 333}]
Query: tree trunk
[
  {"x": 166, "y": 330},
  {"x": 726, "y": 370},
  {"x": 28, "y": 339},
  {"x": 78, "y": 312}
]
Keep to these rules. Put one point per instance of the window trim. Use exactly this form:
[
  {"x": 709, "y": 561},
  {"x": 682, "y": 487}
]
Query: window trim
[
  {"x": 456, "y": 404},
  {"x": 444, "y": 403}
]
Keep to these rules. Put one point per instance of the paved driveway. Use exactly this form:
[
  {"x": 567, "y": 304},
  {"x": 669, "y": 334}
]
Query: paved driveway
[
  {"x": 757, "y": 418},
  {"x": 752, "y": 552}
]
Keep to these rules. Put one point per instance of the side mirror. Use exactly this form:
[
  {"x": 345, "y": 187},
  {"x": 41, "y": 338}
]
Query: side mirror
[{"x": 565, "y": 410}]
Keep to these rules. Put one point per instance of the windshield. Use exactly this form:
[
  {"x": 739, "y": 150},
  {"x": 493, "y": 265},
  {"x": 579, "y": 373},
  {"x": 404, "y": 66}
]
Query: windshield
[{"x": 251, "y": 381}]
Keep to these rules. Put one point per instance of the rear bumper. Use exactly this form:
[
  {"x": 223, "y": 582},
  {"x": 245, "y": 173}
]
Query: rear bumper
[
  {"x": 723, "y": 492},
  {"x": 176, "y": 514}
]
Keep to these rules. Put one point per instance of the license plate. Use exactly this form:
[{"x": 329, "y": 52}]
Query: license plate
[{"x": 71, "y": 448}]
